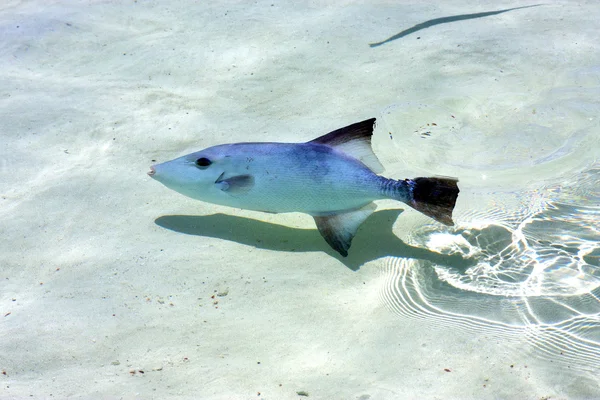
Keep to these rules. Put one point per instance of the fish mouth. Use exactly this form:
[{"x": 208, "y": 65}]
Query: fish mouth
[{"x": 152, "y": 171}]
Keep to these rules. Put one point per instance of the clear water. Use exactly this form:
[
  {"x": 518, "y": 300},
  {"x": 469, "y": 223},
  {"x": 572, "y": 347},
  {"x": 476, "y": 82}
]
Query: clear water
[
  {"x": 113, "y": 287},
  {"x": 527, "y": 224}
]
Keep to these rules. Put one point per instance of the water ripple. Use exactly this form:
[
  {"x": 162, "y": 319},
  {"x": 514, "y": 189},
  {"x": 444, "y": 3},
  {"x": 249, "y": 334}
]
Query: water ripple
[
  {"x": 528, "y": 217},
  {"x": 536, "y": 277},
  {"x": 570, "y": 337}
]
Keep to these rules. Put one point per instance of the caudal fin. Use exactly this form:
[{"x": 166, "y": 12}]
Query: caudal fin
[{"x": 434, "y": 197}]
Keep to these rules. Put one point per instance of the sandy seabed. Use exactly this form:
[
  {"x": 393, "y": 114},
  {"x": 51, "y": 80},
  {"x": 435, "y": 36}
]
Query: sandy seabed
[{"x": 112, "y": 286}]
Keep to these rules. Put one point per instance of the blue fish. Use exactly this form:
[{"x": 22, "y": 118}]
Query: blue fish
[{"x": 333, "y": 178}]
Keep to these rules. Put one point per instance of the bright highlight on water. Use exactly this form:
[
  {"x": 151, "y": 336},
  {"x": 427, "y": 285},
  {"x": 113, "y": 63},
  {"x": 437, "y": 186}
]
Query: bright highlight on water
[{"x": 333, "y": 178}]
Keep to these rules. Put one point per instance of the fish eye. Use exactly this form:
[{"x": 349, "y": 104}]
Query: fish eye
[{"x": 203, "y": 162}]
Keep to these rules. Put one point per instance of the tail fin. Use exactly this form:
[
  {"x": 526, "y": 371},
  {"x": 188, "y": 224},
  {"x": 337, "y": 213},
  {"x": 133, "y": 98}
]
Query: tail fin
[{"x": 434, "y": 197}]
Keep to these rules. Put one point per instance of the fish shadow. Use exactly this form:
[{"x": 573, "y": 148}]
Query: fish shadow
[
  {"x": 373, "y": 240},
  {"x": 445, "y": 20}
]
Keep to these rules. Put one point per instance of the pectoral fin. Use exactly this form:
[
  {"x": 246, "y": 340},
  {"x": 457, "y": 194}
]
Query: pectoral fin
[
  {"x": 235, "y": 185},
  {"x": 338, "y": 230}
]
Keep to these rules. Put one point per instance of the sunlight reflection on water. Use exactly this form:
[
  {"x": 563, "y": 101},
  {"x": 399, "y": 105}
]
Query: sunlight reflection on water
[{"x": 528, "y": 215}]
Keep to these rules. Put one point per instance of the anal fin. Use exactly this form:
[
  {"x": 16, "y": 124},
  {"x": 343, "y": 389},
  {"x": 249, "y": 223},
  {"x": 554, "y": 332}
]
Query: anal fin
[{"x": 338, "y": 230}]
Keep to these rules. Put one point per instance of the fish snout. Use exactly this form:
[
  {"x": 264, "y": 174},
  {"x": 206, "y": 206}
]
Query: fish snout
[{"x": 152, "y": 171}]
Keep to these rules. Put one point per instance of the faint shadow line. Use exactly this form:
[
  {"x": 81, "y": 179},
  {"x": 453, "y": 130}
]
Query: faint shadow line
[
  {"x": 445, "y": 20},
  {"x": 374, "y": 239}
]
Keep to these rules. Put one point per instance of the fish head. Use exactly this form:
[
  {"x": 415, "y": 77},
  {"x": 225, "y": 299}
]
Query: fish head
[{"x": 199, "y": 175}]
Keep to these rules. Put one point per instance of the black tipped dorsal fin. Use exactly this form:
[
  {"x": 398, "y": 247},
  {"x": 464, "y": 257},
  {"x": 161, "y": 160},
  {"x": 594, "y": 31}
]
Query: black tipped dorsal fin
[
  {"x": 338, "y": 230},
  {"x": 354, "y": 140}
]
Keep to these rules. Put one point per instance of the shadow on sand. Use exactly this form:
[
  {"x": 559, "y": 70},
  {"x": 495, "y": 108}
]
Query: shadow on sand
[
  {"x": 374, "y": 239},
  {"x": 445, "y": 20}
]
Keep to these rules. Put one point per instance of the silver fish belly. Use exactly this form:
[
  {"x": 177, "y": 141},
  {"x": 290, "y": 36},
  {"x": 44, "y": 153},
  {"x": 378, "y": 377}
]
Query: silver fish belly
[{"x": 333, "y": 178}]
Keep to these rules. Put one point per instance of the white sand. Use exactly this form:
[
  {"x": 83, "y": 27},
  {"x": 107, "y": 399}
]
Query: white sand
[{"x": 93, "y": 291}]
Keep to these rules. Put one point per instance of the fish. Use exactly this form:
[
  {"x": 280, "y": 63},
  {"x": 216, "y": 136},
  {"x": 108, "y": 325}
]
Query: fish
[{"x": 334, "y": 178}]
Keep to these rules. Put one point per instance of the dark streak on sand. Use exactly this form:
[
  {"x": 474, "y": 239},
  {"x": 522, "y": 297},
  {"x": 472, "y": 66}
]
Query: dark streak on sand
[{"x": 445, "y": 20}]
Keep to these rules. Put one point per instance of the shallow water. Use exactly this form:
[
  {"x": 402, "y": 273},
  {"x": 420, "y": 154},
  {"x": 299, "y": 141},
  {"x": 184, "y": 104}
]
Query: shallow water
[
  {"x": 112, "y": 286},
  {"x": 528, "y": 221}
]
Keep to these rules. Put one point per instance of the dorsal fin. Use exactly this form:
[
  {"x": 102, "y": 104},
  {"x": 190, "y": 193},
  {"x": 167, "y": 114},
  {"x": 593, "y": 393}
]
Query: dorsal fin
[{"x": 354, "y": 140}]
